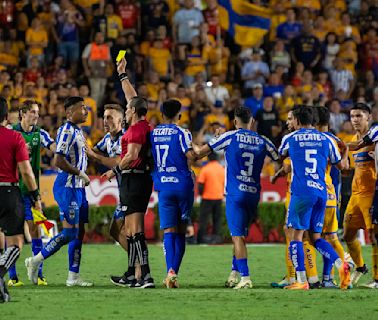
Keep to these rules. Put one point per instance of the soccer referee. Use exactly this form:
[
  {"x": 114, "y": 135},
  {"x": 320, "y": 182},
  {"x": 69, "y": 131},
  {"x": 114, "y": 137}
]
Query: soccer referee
[{"x": 15, "y": 156}]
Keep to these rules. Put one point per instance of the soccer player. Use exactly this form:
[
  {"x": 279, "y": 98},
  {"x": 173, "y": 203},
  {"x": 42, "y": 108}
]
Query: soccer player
[
  {"x": 14, "y": 156},
  {"x": 69, "y": 193},
  {"x": 358, "y": 212},
  {"x": 172, "y": 148},
  {"x": 35, "y": 137},
  {"x": 245, "y": 152},
  {"x": 330, "y": 218},
  {"x": 136, "y": 183},
  {"x": 309, "y": 151}
]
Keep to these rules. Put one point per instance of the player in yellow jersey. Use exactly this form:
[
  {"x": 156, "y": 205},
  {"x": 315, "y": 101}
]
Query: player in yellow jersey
[
  {"x": 330, "y": 225},
  {"x": 357, "y": 214}
]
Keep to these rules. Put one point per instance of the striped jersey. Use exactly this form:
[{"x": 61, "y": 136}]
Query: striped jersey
[
  {"x": 70, "y": 142},
  {"x": 245, "y": 152},
  {"x": 111, "y": 146}
]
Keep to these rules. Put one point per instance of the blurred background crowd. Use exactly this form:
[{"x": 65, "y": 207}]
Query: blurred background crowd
[{"x": 316, "y": 52}]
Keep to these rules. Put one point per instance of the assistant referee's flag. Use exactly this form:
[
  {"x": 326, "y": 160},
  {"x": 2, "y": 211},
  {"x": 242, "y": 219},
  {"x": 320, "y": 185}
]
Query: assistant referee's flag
[{"x": 246, "y": 22}]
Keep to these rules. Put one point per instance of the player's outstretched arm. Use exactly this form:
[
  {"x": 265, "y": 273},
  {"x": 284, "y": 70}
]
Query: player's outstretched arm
[
  {"x": 105, "y": 161},
  {"x": 127, "y": 87},
  {"x": 64, "y": 165},
  {"x": 28, "y": 178}
]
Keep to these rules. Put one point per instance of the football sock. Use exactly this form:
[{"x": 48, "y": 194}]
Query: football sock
[
  {"x": 354, "y": 248},
  {"x": 242, "y": 266},
  {"x": 328, "y": 252},
  {"x": 36, "y": 245},
  {"x": 327, "y": 267},
  {"x": 179, "y": 251},
  {"x": 234, "y": 267},
  {"x": 169, "y": 249},
  {"x": 289, "y": 264},
  {"x": 74, "y": 255},
  {"x": 310, "y": 262},
  {"x": 8, "y": 259},
  {"x": 62, "y": 238},
  {"x": 131, "y": 252},
  {"x": 142, "y": 253},
  {"x": 12, "y": 272},
  {"x": 374, "y": 255},
  {"x": 297, "y": 257},
  {"x": 336, "y": 244}
]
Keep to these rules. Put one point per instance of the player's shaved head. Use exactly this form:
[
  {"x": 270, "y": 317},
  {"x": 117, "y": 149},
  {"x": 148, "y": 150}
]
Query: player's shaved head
[
  {"x": 361, "y": 106},
  {"x": 171, "y": 108},
  {"x": 71, "y": 101}
]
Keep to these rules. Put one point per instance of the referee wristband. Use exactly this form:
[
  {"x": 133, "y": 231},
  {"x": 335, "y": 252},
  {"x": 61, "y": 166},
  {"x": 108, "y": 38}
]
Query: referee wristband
[
  {"x": 35, "y": 196},
  {"x": 123, "y": 76},
  {"x": 117, "y": 170}
]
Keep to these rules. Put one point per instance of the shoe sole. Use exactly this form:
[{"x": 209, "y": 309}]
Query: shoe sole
[
  {"x": 146, "y": 286},
  {"x": 120, "y": 284},
  {"x": 30, "y": 272},
  {"x": 4, "y": 295}
]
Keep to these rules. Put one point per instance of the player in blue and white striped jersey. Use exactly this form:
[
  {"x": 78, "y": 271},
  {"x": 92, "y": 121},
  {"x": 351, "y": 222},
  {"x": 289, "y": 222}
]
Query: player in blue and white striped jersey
[
  {"x": 108, "y": 153},
  {"x": 245, "y": 152},
  {"x": 69, "y": 193}
]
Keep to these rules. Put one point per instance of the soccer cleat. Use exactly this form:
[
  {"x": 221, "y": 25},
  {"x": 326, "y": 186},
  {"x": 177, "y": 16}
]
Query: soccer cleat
[
  {"x": 32, "y": 270},
  {"x": 298, "y": 286},
  {"x": 315, "y": 285},
  {"x": 344, "y": 273},
  {"x": 4, "y": 294},
  {"x": 125, "y": 281},
  {"x": 78, "y": 282},
  {"x": 42, "y": 282},
  {"x": 283, "y": 283},
  {"x": 170, "y": 281},
  {"x": 329, "y": 284},
  {"x": 146, "y": 283},
  {"x": 15, "y": 283},
  {"x": 358, "y": 273},
  {"x": 371, "y": 285},
  {"x": 232, "y": 280},
  {"x": 350, "y": 261},
  {"x": 244, "y": 283}
]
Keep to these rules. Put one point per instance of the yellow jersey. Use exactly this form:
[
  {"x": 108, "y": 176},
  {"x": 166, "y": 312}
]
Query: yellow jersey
[
  {"x": 331, "y": 192},
  {"x": 364, "y": 178},
  {"x": 287, "y": 161}
]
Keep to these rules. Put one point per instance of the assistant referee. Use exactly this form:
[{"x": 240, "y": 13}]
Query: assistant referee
[{"x": 14, "y": 158}]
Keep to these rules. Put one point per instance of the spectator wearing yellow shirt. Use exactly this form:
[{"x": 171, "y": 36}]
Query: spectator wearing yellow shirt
[
  {"x": 218, "y": 57},
  {"x": 186, "y": 103},
  {"x": 312, "y": 5},
  {"x": 332, "y": 19},
  {"x": 41, "y": 91},
  {"x": 217, "y": 116},
  {"x": 91, "y": 107},
  {"x": 147, "y": 43},
  {"x": 320, "y": 31},
  {"x": 286, "y": 102},
  {"x": 349, "y": 56},
  {"x": 114, "y": 24},
  {"x": 346, "y": 30},
  {"x": 36, "y": 40},
  {"x": 278, "y": 17},
  {"x": 196, "y": 58},
  {"x": 153, "y": 86},
  {"x": 7, "y": 59},
  {"x": 160, "y": 60}
]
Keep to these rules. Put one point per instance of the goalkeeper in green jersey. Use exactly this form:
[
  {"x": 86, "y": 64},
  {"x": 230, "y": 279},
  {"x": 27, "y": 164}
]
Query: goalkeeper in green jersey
[{"x": 35, "y": 138}]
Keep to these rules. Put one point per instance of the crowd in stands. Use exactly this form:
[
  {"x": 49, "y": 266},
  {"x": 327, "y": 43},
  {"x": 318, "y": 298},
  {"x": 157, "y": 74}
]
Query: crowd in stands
[{"x": 317, "y": 52}]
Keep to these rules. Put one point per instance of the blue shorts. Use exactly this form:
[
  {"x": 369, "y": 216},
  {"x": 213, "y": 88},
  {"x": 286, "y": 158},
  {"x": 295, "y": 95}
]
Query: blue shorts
[
  {"x": 118, "y": 214},
  {"x": 175, "y": 207},
  {"x": 73, "y": 204},
  {"x": 27, "y": 207},
  {"x": 239, "y": 212},
  {"x": 306, "y": 213}
]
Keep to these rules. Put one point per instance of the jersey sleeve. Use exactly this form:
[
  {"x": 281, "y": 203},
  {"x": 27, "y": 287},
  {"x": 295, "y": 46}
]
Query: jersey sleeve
[
  {"x": 185, "y": 138},
  {"x": 137, "y": 136},
  {"x": 101, "y": 145},
  {"x": 271, "y": 149},
  {"x": 221, "y": 142},
  {"x": 46, "y": 140},
  {"x": 283, "y": 150},
  {"x": 334, "y": 153},
  {"x": 371, "y": 136},
  {"x": 64, "y": 140},
  {"x": 21, "y": 149}
]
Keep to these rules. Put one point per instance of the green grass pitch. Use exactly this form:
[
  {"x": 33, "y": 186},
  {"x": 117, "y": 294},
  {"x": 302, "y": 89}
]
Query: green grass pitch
[{"x": 201, "y": 296}]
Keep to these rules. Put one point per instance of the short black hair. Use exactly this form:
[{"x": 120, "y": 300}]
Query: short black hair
[
  {"x": 315, "y": 115},
  {"x": 304, "y": 115},
  {"x": 140, "y": 105},
  {"x": 171, "y": 108},
  {"x": 70, "y": 101},
  {"x": 324, "y": 115},
  {"x": 361, "y": 106},
  {"x": 3, "y": 109},
  {"x": 213, "y": 157},
  {"x": 243, "y": 113}
]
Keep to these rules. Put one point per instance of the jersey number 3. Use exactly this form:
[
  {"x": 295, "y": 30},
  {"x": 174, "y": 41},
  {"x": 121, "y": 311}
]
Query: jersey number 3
[{"x": 248, "y": 163}]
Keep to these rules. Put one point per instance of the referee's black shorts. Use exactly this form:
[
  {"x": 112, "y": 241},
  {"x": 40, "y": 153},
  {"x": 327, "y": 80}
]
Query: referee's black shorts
[
  {"x": 11, "y": 211},
  {"x": 135, "y": 192}
]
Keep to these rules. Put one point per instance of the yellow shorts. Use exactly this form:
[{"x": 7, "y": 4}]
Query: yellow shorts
[
  {"x": 330, "y": 225},
  {"x": 287, "y": 200},
  {"x": 357, "y": 214}
]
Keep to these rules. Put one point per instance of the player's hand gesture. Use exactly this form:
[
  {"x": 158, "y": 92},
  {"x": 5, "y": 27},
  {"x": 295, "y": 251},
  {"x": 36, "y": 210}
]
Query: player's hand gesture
[
  {"x": 85, "y": 177},
  {"x": 108, "y": 175},
  {"x": 121, "y": 66}
]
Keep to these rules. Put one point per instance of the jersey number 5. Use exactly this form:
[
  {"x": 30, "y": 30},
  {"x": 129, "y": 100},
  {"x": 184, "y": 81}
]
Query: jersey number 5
[
  {"x": 310, "y": 157},
  {"x": 161, "y": 155},
  {"x": 248, "y": 164}
]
